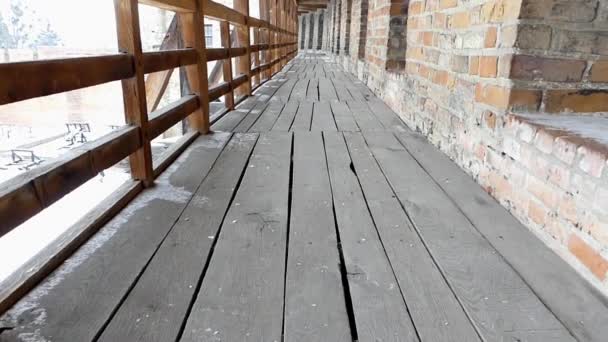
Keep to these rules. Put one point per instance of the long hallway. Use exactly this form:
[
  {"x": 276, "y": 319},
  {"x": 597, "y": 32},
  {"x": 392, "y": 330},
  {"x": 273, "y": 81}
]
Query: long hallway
[{"x": 312, "y": 213}]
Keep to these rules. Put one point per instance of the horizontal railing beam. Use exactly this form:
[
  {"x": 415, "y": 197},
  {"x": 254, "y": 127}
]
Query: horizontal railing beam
[
  {"x": 162, "y": 119},
  {"x": 168, "y": 59},
  {"x": 25, "y": 80},
  {"x": 30, "y": 192}
]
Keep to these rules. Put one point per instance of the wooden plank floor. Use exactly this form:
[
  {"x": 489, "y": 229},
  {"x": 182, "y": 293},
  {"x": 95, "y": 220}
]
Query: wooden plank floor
[{"x": 312, "y": 213}]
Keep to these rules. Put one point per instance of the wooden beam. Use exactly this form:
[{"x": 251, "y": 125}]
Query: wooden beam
[
  {"x": 30, "y": 192},
  {"x": 243, "y": 63},
  {"x": 26, "y": 80},
  {"x": 166, "y": 117},
  {"x": 227, "y": 65},
  {"x": 220, "y": 12},
  {"x": 168, "y": 59},
  {"x": 134, "y": 89},
  {"x": 156, "y": 83},
  {"x": 192, "y": 27},
  {"x": 172, "y": 5}
]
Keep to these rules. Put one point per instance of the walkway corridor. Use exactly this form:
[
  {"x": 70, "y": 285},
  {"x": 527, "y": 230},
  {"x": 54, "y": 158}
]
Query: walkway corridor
[{"x": 312, "y": 213}]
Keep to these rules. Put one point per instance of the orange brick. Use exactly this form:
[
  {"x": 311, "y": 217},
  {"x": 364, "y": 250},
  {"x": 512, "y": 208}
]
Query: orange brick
[
  {"x": 537, "y": 213},
  {"x": 493, "y": 95},
  {"x": 578, "y": 101},
  {"x": 599, "y": 72},
  {"x": 443, "y": 4},
  {"x": 490, "y": 39},
  {"x": 440, "y": 20},
  {"x": 525, "y": 99},
  {"x": 416, "y": 8},
  {"x": 488, "y": 66},
  {"x": 461, "y": 20},
  {"x": 474, "y": 65},
  {"x": 428, "y": 38},
  {"x": 588, "y": 256}
]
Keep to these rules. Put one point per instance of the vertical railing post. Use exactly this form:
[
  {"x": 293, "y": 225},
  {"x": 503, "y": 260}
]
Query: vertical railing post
[
  {"x": 134, "y": 88},
  {"x": 227, "y": 63},
  {"x": 244, "y": 62},
  {"x": 193, "y": 36},
  {"x": 256, "y": 55}
]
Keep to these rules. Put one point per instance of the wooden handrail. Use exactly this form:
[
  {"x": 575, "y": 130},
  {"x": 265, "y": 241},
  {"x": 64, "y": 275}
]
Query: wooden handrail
[
  {"x": 25, "y": 80},
  {"x": 169, "y": 59},
  {"x": 164, "y": 118},
  {"x": 30, "y": 192}
]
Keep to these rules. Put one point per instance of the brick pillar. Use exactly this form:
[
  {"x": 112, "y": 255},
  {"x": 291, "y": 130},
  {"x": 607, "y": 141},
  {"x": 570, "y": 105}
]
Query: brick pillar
[
  {"x": 300, "y": 32},
  {"x": 358, "y": 33},
  {"x": 320, "y": 24},
  {"x": 337, "y": 15},
  {"x": 345, "y": 27},
  {"x": 310, "y": 30},
  {"x": 307, "y": 29},
  {"x": 397, "y": 35}
]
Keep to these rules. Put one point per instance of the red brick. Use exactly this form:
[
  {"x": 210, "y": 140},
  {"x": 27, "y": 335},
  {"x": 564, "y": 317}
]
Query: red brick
[
  {"x": 490, "y": 39},
  {"x": 588, "y": 256},
  {"x": 530, "y": 68}
]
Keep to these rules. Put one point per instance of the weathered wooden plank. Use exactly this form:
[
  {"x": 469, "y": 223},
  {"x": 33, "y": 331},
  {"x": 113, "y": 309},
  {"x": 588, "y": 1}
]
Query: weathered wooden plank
[
  {"x": 342, "y": 90},
  {"x": 156, "y": 307},
  {"x": 268, "y": 118},
  {"x": 30, "y": 274},
  {"x": 287, "y": 116},
  {"x": 25, "y": 80},
  {"x": 303, "y": 117},
  {"x": 312, "y": 93},
  {"x": 241, "y": 296},
  {"x": 299, "y": 90},
  {"x": 499, "y": 303},
  {"x": 168, "y": 156},
  {"x": 580, "y": 308},
  {"x": 327, "y": 92},
  {"x": 379, "y": 308},
  {"x": 435, "y": 310},
  {"x": 229, "y": 121},
  {"x": 345, "y": 121},
  {"x": 322, "y": 118},
  {"x": 389, "y": 119},
  {"x": 364, "y": 117},
  {"x": 315, "y": 309},
  {"x": 74, "y": 303},
  {"x": 251, "y": 117},
  {"x": 285, "y": 90}
]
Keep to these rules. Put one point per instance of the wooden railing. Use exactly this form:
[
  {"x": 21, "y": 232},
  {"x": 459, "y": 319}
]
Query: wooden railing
[
  {"x": 275, "y": 38},
  {"x": 31, "y": 192}
]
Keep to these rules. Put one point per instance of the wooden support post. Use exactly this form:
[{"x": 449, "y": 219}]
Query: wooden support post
[
  {"x": 256, "y": 55},
  {"x": 227, "y": 63},
  {"x": 243, "y": 65},
  {"x": 193, "y": 36},
  {"x": 134, "y": 88},
  {"x": 264, "y": 15}
]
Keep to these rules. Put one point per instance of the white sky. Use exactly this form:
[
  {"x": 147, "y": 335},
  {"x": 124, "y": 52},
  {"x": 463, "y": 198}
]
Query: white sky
[{"x": 79, "y": 23}]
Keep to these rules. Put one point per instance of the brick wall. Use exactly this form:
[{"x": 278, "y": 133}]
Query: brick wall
[
  {"x": 514, "y": 92},
  {"x": 358, "y": 29},
  {"x": 345, "y": 20}
]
